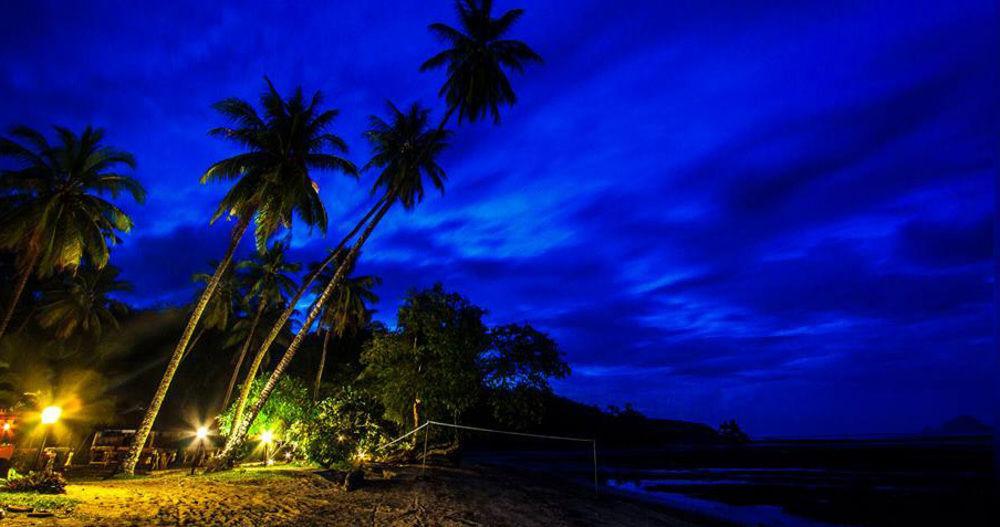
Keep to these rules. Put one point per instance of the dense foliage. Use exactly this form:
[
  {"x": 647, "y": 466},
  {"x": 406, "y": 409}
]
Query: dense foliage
[
  {"x": 288, "y": 405},
  {"x": 342, "y": 429}
]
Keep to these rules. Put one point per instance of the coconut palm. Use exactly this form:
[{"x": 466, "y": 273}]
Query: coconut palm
[
  {"x": 271, "y": 183},
  {"x": 221, "y": 306},
  {"x": 269, "y": 284},
  {"x": 79, "y": 304},
  {"x": 405, "y": 152},
  {"x": 346, "y": 311},
  {"x": 53, "y": 200},
  {"x": 477, "y": 61}
]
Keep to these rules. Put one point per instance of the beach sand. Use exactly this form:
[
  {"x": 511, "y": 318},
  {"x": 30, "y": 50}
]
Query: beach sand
[{"x": 403, "y": 496}]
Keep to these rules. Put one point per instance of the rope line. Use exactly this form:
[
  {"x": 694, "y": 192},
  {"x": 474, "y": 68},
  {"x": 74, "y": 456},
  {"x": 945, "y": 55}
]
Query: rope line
[
  {"x": 593, "y": 442},
  {"x": 522, "y": 434},
  {"x": 404, "y": 436}
]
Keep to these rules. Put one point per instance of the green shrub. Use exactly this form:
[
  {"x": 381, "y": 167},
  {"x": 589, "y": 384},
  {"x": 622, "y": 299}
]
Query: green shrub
[
  {"x": 343, "y": 429},
  {"x": 288, "y": 404},
  {"x": 41, "y": 482}
]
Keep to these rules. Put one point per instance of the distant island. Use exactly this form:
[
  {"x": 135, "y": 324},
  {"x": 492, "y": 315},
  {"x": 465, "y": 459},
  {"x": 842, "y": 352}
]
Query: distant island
[{"x": 963, "y": 425}]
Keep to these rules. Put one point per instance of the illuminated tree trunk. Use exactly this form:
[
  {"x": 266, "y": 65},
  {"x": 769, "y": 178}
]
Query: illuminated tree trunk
[
  {"x": 29, "y": 266},
  {"x": 416, "y": 412},
  {"x": 238, "y": 435},
  {"x": 128, "y": 467},
  {"x": 241, "y": 402},
  {"x": 243, "y": 354},
  {"x": 322, "y": 363}
]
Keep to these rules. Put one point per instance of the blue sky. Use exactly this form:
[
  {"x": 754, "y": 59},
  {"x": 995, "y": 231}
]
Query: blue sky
[{"x": 781, "y": 213}]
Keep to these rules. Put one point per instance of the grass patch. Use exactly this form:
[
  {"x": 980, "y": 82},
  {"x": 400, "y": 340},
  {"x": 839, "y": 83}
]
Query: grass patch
[
  {"x": 257, "y": 474},
  {"x": 38, "y": 501}
]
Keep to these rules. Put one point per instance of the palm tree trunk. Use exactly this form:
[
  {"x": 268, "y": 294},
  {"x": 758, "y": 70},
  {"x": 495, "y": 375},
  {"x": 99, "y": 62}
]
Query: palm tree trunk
[
  {"x": 322, "y": 363},
  {"x": 447, "y": 116},
  {"x": 243, "y": 354},
  {"x": 128, "y": 467},
  {"x": 416, "y": 412},
  {"x": 194, "y": 342},
  {"x": 244, "y": 397},
  {"x": 239, "y": 431},
  {"x": 29, "y": 266}
]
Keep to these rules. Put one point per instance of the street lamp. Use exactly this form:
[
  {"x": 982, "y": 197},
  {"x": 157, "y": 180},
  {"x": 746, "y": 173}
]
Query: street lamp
[
  {"x": 200, "y": 435},
  {"x": 50, "y": 414},
  {"x": 267, "y": 437}
]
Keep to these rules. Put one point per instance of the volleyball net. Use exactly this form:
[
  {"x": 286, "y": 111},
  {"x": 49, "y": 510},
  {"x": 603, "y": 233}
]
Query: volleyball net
[{"x": 426, "y": 429}]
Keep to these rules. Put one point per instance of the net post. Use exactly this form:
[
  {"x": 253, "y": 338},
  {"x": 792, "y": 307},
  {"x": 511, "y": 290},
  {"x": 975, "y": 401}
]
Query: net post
[
  {"x": 427, "y": 432},
  {"x": 593, "y": 443}
]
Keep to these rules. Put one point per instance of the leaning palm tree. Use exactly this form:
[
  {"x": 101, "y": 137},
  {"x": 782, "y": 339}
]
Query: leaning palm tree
[
  {"x": 272, "y": 182},
  {"x": 346, "y": 311},
  {"x": 477, "y": 83},
  {"x": 269, "y": 282},
  {"x": 405, "y": 152},
  {"x": 80, "y": 304},
  {"x": 478, "y": 60},
  {"x": 54, "y": 209}
]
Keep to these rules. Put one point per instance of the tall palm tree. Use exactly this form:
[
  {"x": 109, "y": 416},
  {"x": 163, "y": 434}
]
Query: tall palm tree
[
  {"x": 477, "y": 82},
  {"x": 405, "y": 152},
  {"x": 272, "y": 182},
  {"x": 80, "y": 304},
  {"x": 347, "y": 310},
  {"x": 269, "y": 282},
  {"x": 54, "y": 208},
  {"x": 477, "y": 61}
]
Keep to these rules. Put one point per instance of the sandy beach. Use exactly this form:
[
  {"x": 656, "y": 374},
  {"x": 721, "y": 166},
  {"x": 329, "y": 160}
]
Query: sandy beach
[{"x": 302, "y": 496}]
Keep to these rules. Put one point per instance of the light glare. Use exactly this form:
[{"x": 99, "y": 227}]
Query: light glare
[{"x": 51, "y": 414}]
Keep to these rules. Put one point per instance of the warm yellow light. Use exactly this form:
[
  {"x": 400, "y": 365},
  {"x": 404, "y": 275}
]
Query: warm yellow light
[
  {"x": 341, "y": 438},
  {"x": 202, "y": 432},
  {"x": 51, "y": 414},
  {"x": 6, "y": 427},
  {"x": 266, "y": 436}
]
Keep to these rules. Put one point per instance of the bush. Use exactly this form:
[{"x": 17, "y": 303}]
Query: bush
[
  {"x": 41, "y": 482},
  {"x": 287, "y": 405},
  {"x": 344, "y": 429}
]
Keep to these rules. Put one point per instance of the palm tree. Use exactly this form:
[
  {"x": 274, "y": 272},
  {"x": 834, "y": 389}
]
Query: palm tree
[
  {"x": 477, "y": 83},
  {"x": 221, "y": 306},
  {"x": 270, "y": 284},
  {"x": 405, "y": 152},
  {"x": 55, "y": 213},
  {"x": 478, "y": 60},
  {"x": 80, "y": 305},
  {"x": 346, "y": 312},
  {"x": 272, "y": 181}
]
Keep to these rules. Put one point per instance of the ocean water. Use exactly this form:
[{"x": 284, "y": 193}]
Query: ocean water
[{"x": 792, "y": 483}]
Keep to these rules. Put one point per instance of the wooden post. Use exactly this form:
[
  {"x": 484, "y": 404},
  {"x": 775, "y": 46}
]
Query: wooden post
[
  {"x": 427, "y": 432},
  {"x": 594, "y": 444}
]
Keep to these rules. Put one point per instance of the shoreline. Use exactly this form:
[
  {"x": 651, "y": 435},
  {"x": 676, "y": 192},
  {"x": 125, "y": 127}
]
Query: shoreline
[{"x": 392, "y": 495}]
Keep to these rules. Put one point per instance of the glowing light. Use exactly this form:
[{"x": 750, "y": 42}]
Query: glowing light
[
  {"x": 341, "y": 438},
  {"x": 266, "y": 436},
  {"x": 288, "y": 455},
  {"x": 51, "y": 414},
  {"x": 202, "y": 432},
  {"x": 6, "y": 427}
]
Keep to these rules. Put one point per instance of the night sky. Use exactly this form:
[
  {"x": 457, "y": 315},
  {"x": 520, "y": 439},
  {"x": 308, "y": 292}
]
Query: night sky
[{"x": 780, "y": 213}]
